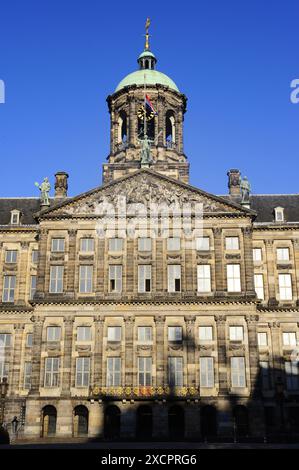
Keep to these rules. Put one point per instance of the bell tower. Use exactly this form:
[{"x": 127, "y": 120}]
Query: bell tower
[{"x": 146, "y": 111}]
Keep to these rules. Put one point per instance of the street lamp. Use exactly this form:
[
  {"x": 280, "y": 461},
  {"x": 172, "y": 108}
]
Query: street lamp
[{"x": 3, "y": 393}]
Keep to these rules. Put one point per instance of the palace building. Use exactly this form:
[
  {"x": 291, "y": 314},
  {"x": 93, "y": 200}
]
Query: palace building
[{"x": 164, "y": 332}]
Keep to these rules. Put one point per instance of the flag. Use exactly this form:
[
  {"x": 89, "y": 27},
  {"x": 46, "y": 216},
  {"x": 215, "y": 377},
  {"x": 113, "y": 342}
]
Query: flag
[{"x": 148, "y": 103}]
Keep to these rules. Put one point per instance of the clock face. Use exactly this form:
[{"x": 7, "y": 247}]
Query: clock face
[{"x": 149, "y": 114}]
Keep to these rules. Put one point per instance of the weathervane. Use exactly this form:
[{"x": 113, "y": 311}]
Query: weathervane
[{"x": 147, "y": 25}]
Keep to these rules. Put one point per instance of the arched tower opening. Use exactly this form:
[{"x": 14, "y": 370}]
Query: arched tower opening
[
  {"x": 122, "y": 136},
  {"x": 170, "y": 129}
]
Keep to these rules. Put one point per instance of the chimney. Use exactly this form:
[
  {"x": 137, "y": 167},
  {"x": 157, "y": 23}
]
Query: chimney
[
  {"x": 61, "y": 185},
  {"x": 234, "y": 181}
]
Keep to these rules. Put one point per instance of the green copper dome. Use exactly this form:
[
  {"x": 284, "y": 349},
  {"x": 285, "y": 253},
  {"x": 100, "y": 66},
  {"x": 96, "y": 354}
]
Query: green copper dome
[{"x": 152, "y": 77}]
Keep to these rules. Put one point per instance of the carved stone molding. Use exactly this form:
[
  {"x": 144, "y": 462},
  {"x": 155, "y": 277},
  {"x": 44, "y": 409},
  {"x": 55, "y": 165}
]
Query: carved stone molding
[
  {"x": 251, "y": 318},
  {"x": 240, "y": 348},
  {"x": 217, "y": 231},
  {"x": 144, "y": 347},
  {"x": 175, "y": 347},
  {"x": 159, "y": 319},
  {"x": 247, "y": 231},
  {"x": 269, "y": 242},
  {"x": 72, "y": 233},
  {"x": 83, "y": 348},
  {"x": 129, "y": 320},
  {"x": 113, "y": 347},
  {"x": 231, "y": 256},
  {"x": 220, "y": 319},
  {"x": 274, "y": 324},
  {"x": 206, "y": 347}
]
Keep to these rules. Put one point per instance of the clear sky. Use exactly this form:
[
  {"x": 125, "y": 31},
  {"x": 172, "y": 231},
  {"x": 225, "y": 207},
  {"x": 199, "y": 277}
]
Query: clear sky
[{"x": 234, "y": 59}]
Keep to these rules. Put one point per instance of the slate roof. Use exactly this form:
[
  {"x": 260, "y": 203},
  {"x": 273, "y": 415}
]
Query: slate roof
[{"x": 28, "y": 206}]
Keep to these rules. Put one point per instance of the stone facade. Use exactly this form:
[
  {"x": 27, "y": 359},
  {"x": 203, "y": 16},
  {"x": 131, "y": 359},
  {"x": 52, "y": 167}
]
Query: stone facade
[{"x": 73, "y": 343}]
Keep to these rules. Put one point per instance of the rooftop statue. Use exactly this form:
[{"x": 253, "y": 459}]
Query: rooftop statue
[
  {"x": 44, "y": 191},
  {"x": 245, "y": 190}
]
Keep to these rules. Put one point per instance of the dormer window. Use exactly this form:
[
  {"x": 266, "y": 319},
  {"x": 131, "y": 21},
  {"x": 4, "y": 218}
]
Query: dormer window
[
  {"x": 279, "y": 214},
  {"x": 15, "y": 217}
]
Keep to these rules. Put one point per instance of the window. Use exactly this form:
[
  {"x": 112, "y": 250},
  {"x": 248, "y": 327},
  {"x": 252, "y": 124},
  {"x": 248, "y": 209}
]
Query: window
[
  {"x": 56, "y": 279},
  {"x": 203, "y": 243},
  {"x": 175, "y": 371},
  {"x": 285, "y": 287},
  {"x": 115, "y": 244},
  {"x": 87, "y": 244},
  {"x": 145, "y": 333},
  {"x": 57, "y": 245},
  {"x": 32, "y": 287},
  {"x": 82, "y": 371},
  {"x": 259, "y": 286},
  {"x": 83, "y": 333},
  {"x": 114, "y": 333},
  {"x": 34, "y": 256},
  {"x": 29, "y": 340},
  {"x": 279, "y": 214},
  {"x": 257, "y": 254},
  {"x": 232, "y": 243},
  {"x": 175, "y": 333},
  {"x": 265, "y": 375},
  {"x": 233, "y": 278},
  {"x": 52, "y": 372},
  {"x": 144, "y": 244},
  {"x": 9, "y": 286},
  {"x": 173, "y": 244},
  {"x": 3, "y": 369},
  {"x": 85, "y": 279},
  {"x": 289, "y": 339},
  {"x": 115, "y": 278},
  {"x": 205, "y": 333},
  {"x": 292, "y": 377},
  {"x": 15, "y": 217},
  {"x": 238, "y": 372},
  {"x": 53, "y": 333},
  {"x": 5, "y": 340},
  {"x": 236, "y": 333},
  {"x": 283, "y": 254},
  {"x": 206, "y": 367},
  {"x": 11, "y": 256},
  {"x": 204, "y": 278},
  {"x": 174, "y": 278},
  {"x": 262, "y": 339},
  {"x": 144, "y": 278},
  {"x": 27, "y": 375},
  {"x": 145, "y": 371},
  {"x": 113, "y": 372}
]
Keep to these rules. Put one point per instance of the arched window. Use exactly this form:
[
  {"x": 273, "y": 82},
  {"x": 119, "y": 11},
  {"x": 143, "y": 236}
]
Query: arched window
[
  {"x": 49, "y": 418},
  {"x": 150, "y": 127},
  {"x": 112, "y": 422},
  {"x": 122, "y": 128},
  {"x": 80, "y": 421},
  {"x": 170, "y": 129}
]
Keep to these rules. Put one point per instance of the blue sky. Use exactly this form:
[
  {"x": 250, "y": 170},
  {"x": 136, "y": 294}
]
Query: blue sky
[{"x": 234, "y": 60}]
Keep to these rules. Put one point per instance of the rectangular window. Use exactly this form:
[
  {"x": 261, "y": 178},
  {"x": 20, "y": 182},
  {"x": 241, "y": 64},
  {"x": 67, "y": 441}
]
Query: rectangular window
[
  {"x": 238, "y": 376},
  {"x": 84, "y": 333},
  {"x": 236, "y": 333},
  {"x": 9, "y": 286},
  {"x": 292, "y": 377},
  {"x": 265, "y": 375},
  {"x": 233, "y": 278},
  {"x": 27, "y": 375},
  {"x": 87, "y": 244},
  {"x": 56, "y": 279},
  {"x": 257, "y": 254},
  {"x": 11, "y": 256},
  {"x": 144, "y": 278},
  {"x": 115, "y": 278},
  {"x": 15, "y": 218},
  {"x": 82, "y": 371},
  {"x": 289, "y": 339},
  {"x": 173, "y": 244},
  {"x": 174, "y": 278},
  {"x": 34, "y": 256},
  {"x": 3, "y": 369},
  {"x": 205, "y": 333},
  {"x": 285, "y": 287},
  {"x": 262, "y": 339},
  {"x": 85, "y": 279},
  {"x": 203, "y": 243},
  {"x": 29, "y": 340},
  {"x": 259, "y": 286},
  {"x": 115, "y": 244},
  {"x": 206, "y": 367},
  {"x": 114, "y": 333},
  {"x": 175, "y": 333},
  {"x": 283, "y": 254},
  {"x": 113, "y": 372},
  {"x": 145, "y": 333},
  {"x": 145, "y": 371},
  {"x": 57, "y": 245},
  {"x": 32, "y": 286},
  {"x": 52, "y": 372},
  {"x": 204, "y": 278},
  {"x": 144, "y": 244},
  {"x": 175, "y": 371},
  {"x": 232, "y": 243},
  {"x": 53, "y": 333},
  {"x": 5, "y": 340}
]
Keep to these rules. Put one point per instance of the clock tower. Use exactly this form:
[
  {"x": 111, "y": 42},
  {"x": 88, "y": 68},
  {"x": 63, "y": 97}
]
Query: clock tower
[{"x": 146, "y": 109}]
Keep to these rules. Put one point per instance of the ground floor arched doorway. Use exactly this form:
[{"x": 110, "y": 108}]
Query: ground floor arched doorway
[
  {"x": 176, "y": 422},
  {"x": 80, "y": 421},
  {"x": 49, "y": 420},
  {"x": 208, "y": 421},
  {"x": 241, "y": 420},
  {"x": 144, "y": 422},
  {"x": 112, "y": 422}
]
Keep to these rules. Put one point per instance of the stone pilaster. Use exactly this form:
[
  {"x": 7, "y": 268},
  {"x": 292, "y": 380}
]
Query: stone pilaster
[
  {"x": 67, "y": 356},
  {"x": 36, "y": 354},
  {"x": 41, "y": 286},
  {"x": 252, "y": 321},
  {"x": 219, "y": 267},
  {"x": 15, "y": 378},
  {"x": 190, "y": 342},
  {"x": 71, "y": 266},
  {"x": 98, "y": 351},
  {"x": 160, "y": 360},
  {"x": 248, "y": 261},
  {"x": 129, "y": 359},
  {"x": 271, "y": 271},
  {"x": 222, "y": 356}
]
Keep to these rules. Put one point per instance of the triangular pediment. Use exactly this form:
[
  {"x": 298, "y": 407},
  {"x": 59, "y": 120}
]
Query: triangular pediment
[{"x": 144, "y": 187}]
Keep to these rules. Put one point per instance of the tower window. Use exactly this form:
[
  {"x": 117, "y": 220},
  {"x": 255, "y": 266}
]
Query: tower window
[
  {"x": 122, "y": 128},
  {"x": 170, "y": 129}
]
